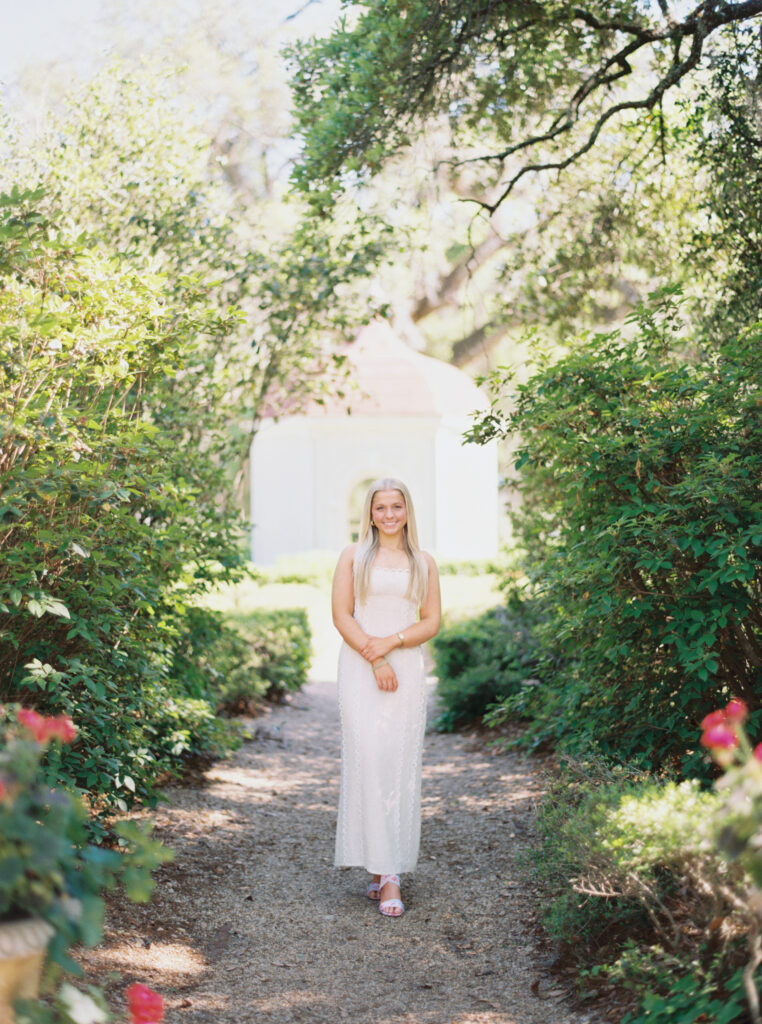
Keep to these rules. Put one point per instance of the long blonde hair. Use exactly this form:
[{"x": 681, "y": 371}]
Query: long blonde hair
[{"x": 368, "y": 544}]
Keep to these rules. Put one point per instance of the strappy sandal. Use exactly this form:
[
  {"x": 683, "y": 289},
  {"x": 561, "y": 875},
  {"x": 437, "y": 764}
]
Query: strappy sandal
[
  {"x": 386, "y": 906},
  {"x": 373, "y": 892}
]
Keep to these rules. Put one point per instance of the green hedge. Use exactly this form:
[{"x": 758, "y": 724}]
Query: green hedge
[
  {"x": 107, "y": 524},
  {"x": 480, "y": 661},
  {"x": 278, "y": 645}
]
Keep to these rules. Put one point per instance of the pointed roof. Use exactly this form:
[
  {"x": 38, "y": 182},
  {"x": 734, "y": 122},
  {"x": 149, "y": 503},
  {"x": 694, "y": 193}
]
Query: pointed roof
[{"x": 392, "y": 379}]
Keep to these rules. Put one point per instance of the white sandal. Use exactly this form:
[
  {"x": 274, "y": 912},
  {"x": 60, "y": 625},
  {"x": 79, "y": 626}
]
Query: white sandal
[
  {"x": 373, "y": 892},
  {"x": 393, "y": 904}
]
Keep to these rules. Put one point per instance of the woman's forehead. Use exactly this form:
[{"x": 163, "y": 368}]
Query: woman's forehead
[{"x": 383, "y": 496}]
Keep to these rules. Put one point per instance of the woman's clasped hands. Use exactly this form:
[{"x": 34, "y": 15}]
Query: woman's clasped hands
[{"x": 375, "y": 650}]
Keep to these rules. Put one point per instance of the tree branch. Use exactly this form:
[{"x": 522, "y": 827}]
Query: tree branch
[
  {"x": 698, "y": 25},
  {"x": 301, "y": 10},
  {"x": 449, "y": 284},
  {"x": 479, "y": 342}
]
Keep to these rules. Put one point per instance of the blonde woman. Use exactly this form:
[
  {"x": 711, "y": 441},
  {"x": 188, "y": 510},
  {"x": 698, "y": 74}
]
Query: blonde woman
[{"x": 386, "y": 603}]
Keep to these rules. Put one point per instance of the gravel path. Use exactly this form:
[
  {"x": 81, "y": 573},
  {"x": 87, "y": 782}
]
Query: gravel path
[{"x": 253, "y": 923}]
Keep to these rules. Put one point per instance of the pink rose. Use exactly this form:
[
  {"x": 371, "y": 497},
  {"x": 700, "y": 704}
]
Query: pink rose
[
  {"x": 145, "y": 1005},
  {"x": 33, "y": 723},
  {"x": 44, "y": 729},
  {"x": 61, "y": 728},
  {"x": 712, "y": 719},
  {"x": 757, "y": 753},
  {"x": 722, "y": 736},
  {"x": 736, "y": 711}
]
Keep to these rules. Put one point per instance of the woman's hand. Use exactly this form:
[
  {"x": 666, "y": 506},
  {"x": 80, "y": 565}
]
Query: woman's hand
[
  {"x": 378, "y": 647},
  {"x": 385, "y": 677}
]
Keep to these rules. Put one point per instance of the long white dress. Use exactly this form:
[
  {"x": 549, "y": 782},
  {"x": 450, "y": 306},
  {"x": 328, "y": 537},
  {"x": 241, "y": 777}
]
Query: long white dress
[{"x": 379, "y": 824}]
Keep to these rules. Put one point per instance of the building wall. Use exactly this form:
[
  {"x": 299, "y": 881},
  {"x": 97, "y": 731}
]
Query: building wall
[
  {"x": 304, "y": 469},
  {"x": 466, "y": 493},
  {"x": 282, "y": 490}
]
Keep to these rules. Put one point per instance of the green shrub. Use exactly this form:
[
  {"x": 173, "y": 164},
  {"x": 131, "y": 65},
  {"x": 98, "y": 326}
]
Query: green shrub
[
  {"x": 481, "y": 660},
  {"x": 187, "y": 728},
  {"x": 102, "y": 526},
  {"x": 130, "y": 383},
  {"x": 672, "y": 989},
  {"x": 615, "y": 843},
  {"x": 641, "y": 475},
  {"x": 279, "y": 646},
  {"x": 637, "y": 891}
]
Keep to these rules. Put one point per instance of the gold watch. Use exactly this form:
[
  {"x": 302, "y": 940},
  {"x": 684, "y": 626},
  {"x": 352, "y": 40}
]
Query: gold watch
[{"x": 402, "y": 639}]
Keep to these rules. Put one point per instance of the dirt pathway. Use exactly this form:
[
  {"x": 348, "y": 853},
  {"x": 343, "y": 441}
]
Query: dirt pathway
[{"x": 252, "y": 922}]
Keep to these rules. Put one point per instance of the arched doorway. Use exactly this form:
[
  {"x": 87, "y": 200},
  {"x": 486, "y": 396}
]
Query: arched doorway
[{"x": 356, "y": 499}]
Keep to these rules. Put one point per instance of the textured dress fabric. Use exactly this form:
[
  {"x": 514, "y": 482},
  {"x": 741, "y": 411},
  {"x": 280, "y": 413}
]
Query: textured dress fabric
[{"x": 379, "y": 824}]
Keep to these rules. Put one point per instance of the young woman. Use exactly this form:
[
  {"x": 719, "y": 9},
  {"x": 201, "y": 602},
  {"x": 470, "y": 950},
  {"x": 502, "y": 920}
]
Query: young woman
[{"x": 386, "y": 603}]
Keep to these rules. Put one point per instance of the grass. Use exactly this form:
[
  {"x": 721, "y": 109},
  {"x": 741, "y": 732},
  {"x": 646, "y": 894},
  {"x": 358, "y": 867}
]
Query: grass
[{"x": 462, "y": 593}]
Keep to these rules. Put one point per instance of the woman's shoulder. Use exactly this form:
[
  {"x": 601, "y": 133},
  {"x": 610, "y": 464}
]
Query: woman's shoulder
[
  {"x": 347, "y": 556},
  {"x": 429, "y": 560}
]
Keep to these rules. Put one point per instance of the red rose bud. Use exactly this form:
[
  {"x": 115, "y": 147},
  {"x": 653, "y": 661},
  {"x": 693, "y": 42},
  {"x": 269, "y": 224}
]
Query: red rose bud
[
  {"x": 722, "y": 736},
  {"x": 736, "y": 711},
  {"x": 712, "y": 719},
  {"x": 145, "y": 1005},
  {"x": 757, "y": 753}
]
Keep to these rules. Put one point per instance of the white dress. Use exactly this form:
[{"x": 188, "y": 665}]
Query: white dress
[{"x": 379, "y": 823}]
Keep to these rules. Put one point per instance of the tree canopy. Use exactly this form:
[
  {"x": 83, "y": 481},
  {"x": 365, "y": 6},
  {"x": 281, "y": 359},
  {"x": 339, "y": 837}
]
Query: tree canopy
[{"x": 523, "y": 86}]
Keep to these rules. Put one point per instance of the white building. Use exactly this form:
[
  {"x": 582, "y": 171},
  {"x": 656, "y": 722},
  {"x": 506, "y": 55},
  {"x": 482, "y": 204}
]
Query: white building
[{"x": 310, "y": 472}]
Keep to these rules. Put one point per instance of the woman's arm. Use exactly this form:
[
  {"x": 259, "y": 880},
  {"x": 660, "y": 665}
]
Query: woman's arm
[
  {"x": 417, "y": 632},
  {"x": 343, "y": 601},
  {"x": 343, "y": 606}
]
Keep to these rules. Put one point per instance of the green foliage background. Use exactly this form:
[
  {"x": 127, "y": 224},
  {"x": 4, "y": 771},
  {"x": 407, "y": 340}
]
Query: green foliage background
[
  {"x": 641, "y": 463},
  {"x": 143, "y": 320}
]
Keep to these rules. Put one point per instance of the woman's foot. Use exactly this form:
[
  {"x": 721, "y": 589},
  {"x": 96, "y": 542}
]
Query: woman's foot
[
  {"x": 374, "y": 889},
  {"x": 390, "y": 903}
]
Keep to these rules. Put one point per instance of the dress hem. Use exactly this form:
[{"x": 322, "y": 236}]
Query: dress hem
[{"x": 404, "y": 870}]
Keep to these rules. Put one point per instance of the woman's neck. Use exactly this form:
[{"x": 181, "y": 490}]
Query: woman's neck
[{"x": 391, "y": 544}]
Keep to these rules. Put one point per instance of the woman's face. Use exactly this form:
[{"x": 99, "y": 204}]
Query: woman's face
[{"x": 388, "y": 513}]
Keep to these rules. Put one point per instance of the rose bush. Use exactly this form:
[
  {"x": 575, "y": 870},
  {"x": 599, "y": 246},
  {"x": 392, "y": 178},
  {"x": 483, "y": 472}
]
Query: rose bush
[
  {"x": 48, "y": 867},
  {"x": 739, "y": 824},
  {"x": 73, "y": 1006}
]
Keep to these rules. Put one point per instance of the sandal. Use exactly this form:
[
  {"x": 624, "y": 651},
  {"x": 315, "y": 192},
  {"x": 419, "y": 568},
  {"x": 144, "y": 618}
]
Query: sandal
[
  {"x": 386, "y": 907},
  {"x": 373, "y": 892}
]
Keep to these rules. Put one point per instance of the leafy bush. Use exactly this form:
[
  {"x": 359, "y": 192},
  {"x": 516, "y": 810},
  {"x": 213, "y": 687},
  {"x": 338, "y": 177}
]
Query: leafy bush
[
  {"x": 49, "y": 868},
  {"x": 641, "y": 473},
  {"x": 101, "y": 522},
  {"x": 484, "y": 659},
  {"x": 672, "y": 988},
  {"x": 143, "y": 320},
  {"x": 279, "y": 644},
  {"x": 636, "y": 885}
]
